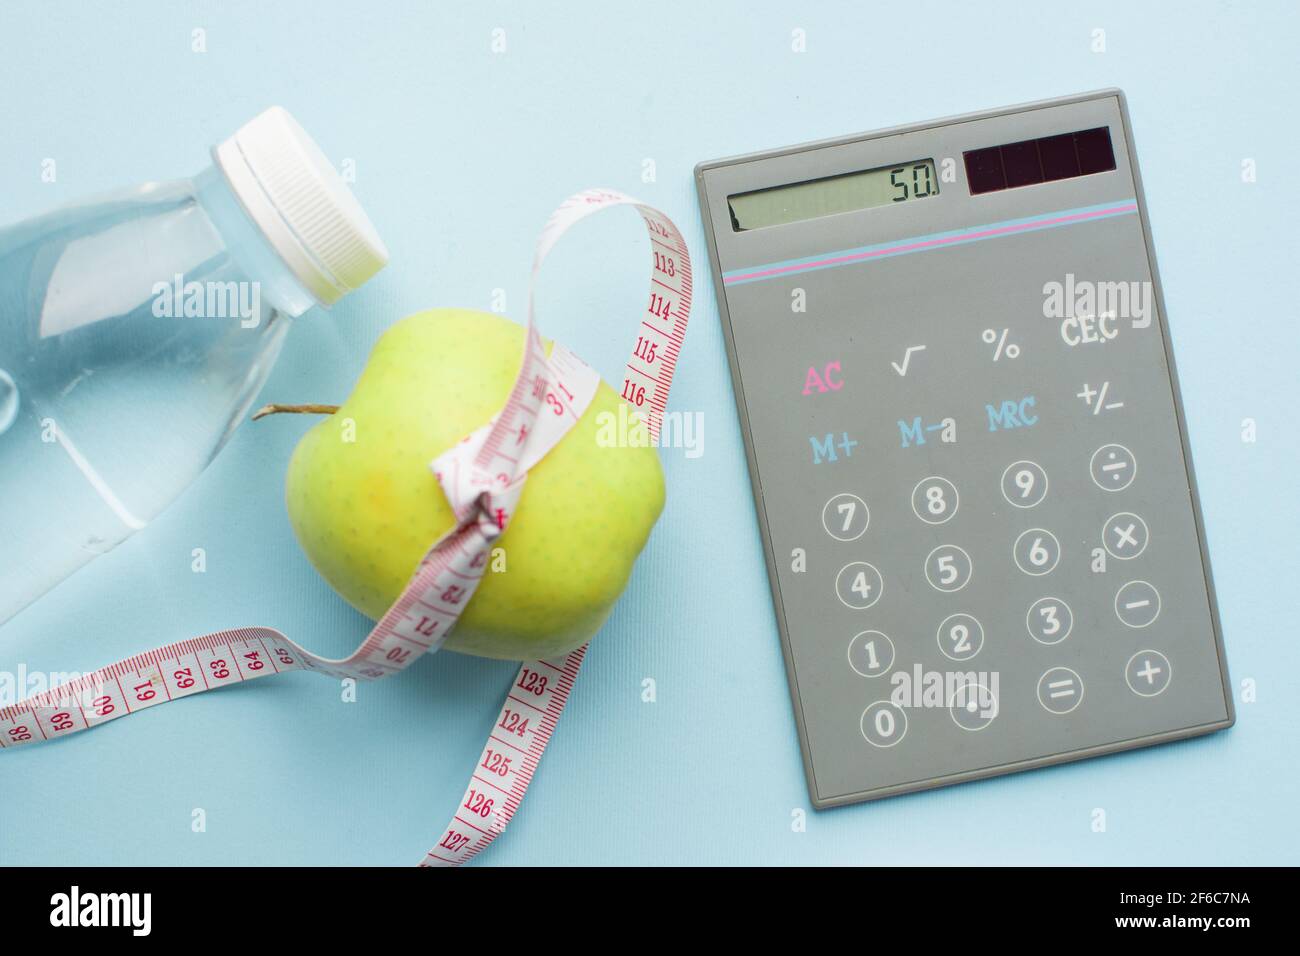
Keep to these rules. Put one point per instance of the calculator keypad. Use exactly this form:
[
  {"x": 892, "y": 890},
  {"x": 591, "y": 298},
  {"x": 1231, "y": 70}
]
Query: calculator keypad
[{"x": 985, "y": 545}]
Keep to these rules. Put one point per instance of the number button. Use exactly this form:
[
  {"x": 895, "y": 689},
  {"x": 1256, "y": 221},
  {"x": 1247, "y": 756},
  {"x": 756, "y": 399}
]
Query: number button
[
  {"x": 1049, "y": 620},
  {"x": 948, "y": 568},
  {"x": 934, "y": 499},
  {"x": 1113, "y": 467},
  {"x": 1147, "y": 673},
  {"x": 960, "y": 637},
  {"x": 871, "y": 653},
  {"x": 1036, "y": 551},
  {"x": 1137, "y": 603},
  {"x": 973, "y": 706},
  {"x": 858, "y": 585},
  {"x": 1124, "y": 535},
  {"x": 883, "y": 723},
  {"x": 845, "y": 517},
  {"x": 1060, "y": 690},
  {"x": 1024, "y": 484}
]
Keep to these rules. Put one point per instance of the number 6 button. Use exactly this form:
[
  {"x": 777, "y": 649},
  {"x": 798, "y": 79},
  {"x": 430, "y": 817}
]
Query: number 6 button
[{"x": 1036, "y": 551}]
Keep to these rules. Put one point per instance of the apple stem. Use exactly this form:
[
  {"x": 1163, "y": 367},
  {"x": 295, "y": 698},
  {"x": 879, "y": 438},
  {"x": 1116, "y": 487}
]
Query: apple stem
[{"x": 274, "y": 409}]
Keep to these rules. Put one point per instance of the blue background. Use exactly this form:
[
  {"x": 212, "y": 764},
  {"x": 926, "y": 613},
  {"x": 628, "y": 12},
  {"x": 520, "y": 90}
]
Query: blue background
[{"x": 460, "y": 155}]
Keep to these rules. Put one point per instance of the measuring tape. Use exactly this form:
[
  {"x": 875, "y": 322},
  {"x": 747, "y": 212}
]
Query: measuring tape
[{"x": 483, "y": 478}]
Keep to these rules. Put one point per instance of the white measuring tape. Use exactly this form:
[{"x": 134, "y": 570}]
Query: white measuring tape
[{"x": 483, "y": 478}]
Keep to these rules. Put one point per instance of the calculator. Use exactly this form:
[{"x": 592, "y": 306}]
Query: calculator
[{"x": 974, "y": 488}]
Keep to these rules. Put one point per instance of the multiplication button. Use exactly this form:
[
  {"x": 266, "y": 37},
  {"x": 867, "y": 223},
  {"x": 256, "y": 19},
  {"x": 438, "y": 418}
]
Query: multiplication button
[
  {"x": 1036, "y": 551},
  {"x": 1124, "y": 535},
  {"x": 845, "y": 517},
  {"x": 1113, "y": 467},
  {"x": 1060, "y": 690},
  {"x": 1137, "y": 603},
  {"x": 1148, "y": 673},
  {"x": 934, "y": 499},
  {"x": 859, "y": 585},
  {"x": 884, "y": 723}
]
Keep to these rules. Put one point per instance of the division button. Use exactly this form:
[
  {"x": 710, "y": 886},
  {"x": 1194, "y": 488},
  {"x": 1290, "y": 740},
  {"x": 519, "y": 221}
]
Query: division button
[
  {"x": 1113, "y": 467},
  {"x": 859, "y": 585},
  {"x": 884, "y": 723},
  {"x": 960, "y": 637},
  {"x": 1049, "y": 620},
  {"x": 934, "y": 499},
  {"x": 948, "y": 568},
  {"x": 1024, "y": 484},
  {"x": 871, "y": 653},
  {"x": 1124, "y": 535},
  {"x": 1060, "y": 690},
  {"x": 973, "y": 706},
  {"x": 1036, "y": 551},
  {"x": 1137, "y": 603},
  {"x": 845, "y": 517},
  {"x": 1148, "y": 673}
]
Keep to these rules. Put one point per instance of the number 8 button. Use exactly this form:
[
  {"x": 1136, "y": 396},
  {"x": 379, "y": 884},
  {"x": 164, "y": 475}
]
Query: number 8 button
[{"x": 934, "y": 499}]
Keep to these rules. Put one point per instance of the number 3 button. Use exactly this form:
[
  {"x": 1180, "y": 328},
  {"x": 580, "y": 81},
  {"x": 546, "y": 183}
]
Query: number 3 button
[{"x": 948, "y": 568}]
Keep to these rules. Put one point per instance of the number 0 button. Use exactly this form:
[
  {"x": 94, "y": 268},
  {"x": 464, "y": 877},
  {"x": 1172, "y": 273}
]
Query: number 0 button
[
  {"x": 884, "y": 723},
  {"x": 934, "y": 499},
  {"x": 948, "y": 568},
  {"x": 1036, "y": 551},
  {"x": 846, "y": 517},
  {"x": 859, "y": 585}
]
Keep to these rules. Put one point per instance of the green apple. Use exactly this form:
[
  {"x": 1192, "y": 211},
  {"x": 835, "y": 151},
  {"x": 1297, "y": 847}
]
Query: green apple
[{"x": 366, "y": 507}]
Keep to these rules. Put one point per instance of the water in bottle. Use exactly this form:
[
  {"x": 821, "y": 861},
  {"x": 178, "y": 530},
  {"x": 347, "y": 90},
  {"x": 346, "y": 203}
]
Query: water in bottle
[{"x": 136, "y": 331}]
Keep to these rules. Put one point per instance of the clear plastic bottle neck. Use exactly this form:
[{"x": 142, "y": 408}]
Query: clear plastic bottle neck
[{"x": 248, "y": 247}]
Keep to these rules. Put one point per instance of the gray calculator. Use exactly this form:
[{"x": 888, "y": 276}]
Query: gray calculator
[{"x": 967, "y": 448}]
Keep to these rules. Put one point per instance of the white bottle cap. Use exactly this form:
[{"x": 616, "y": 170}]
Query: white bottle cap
[{"x": 298, "y": 200}]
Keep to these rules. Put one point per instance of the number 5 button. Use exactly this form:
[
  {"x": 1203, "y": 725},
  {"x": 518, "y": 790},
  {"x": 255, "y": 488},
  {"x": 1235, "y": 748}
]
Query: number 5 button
[
  {"x": 858, "y": 585},
  {"x": 948, "y": 568}
]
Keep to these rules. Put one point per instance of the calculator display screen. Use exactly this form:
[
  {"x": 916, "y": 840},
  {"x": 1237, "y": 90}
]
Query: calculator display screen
[{"x": 849, "y": 192}]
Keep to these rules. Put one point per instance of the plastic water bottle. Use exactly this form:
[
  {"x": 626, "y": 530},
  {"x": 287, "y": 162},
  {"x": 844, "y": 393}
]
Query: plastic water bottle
[{"x": 136, "y": 331}]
